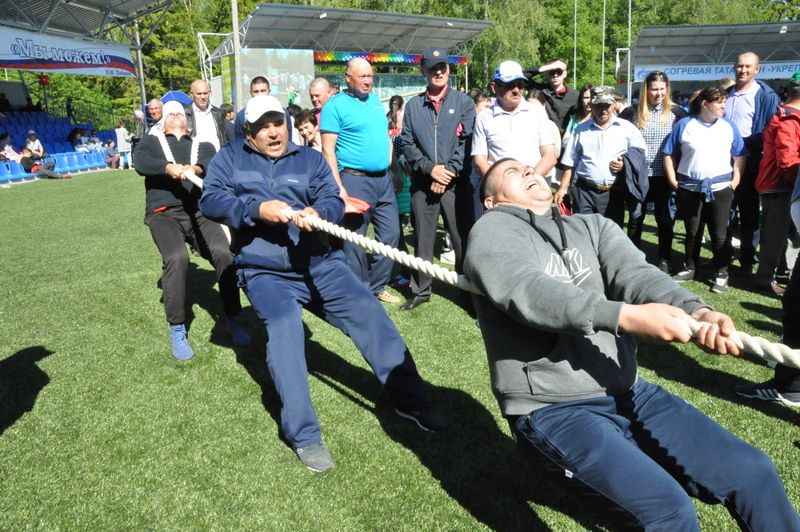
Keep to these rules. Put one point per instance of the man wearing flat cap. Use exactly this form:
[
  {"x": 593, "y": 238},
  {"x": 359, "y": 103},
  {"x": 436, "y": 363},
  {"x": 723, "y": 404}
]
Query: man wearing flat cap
[
  {"x": 600, "y": 153},
  {"x": 264, "y": 188},
  {"x": 436, "y": 127},
  {"x": 512, "y": 127}
]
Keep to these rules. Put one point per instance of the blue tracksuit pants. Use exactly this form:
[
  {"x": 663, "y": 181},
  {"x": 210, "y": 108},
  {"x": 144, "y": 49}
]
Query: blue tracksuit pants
[{"x": 330, "y": 290}]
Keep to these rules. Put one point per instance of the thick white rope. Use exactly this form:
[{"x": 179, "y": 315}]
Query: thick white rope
[{"x": 753, "y": 345}]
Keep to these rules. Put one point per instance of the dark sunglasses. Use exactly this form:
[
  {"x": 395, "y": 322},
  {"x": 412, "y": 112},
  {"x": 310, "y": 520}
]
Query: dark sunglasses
[
  {"x": 556, "y": 72},
  {"x": 519, "y": 84}
]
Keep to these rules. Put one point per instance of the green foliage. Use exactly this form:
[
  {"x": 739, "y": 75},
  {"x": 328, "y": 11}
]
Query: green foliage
[{"x": 528, "y": 32}]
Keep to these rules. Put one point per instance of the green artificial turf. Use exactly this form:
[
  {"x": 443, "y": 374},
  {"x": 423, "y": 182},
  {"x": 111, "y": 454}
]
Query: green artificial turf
[{"x": 101, "y": 429}]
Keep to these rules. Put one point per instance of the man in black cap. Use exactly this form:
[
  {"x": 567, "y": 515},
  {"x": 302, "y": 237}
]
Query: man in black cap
[{"x": 436, "y": 126}]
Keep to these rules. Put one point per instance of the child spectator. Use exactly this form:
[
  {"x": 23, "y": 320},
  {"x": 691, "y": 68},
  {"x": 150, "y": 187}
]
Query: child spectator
[{"x": 112, "y": 155}]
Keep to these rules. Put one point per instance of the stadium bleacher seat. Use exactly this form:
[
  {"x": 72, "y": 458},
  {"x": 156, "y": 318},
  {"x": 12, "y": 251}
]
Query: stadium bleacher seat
[
  {"x": 5, "y": 173},
  {"x": 72, "y": 164},
  {"x": 18, "y": 173}
]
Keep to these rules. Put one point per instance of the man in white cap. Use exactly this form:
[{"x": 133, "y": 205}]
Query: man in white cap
[
  {"x": 264, "y": 188},
  {"x": 172, "y": 214},
  {"x": 512, "y": 127},
  {"x": 35, "y": 146}
]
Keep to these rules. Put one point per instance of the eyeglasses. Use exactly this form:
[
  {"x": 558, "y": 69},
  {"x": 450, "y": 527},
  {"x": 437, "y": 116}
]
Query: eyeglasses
[{"x": 556, "y": 72}]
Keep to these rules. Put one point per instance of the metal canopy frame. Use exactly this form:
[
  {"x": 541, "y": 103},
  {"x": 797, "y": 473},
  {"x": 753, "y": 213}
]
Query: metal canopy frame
[
  {"x": 325, "y": 29},
  {"x": 106, "y": 21},
  {"x": 718, "y": 44}
]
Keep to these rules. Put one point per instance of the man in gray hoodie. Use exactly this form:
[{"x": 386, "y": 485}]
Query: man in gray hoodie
[{"x": 565, "y": 298}]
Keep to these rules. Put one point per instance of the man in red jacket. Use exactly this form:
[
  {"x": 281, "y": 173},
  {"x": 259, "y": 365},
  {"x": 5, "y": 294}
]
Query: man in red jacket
[
  {"x": 780, "y": 166},
  {"x": 775, "y": 181}
]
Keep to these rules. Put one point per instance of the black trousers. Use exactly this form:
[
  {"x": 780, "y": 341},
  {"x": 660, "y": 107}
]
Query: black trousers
[
  {"x": 695, "y": 210},
  {"x": 171, "y": 230},
  {"x": 785, "y": 377},
  {"x": 610, "y": 203},
  {"x": 747, "y": 202},
  {"x": 659, "y": 194},
  {"x": 426, "y": 206}
]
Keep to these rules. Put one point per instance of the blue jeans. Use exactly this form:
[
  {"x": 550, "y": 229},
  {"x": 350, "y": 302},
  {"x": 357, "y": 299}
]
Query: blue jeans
[
  {"x": 330, "y": 290},
  {"x": 383, "y": 214},
  {"x": 642, "y": 454}
]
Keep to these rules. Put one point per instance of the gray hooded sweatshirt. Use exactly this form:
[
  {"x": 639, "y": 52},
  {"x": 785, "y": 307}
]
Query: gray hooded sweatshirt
[{"x": 554, "y": 291}]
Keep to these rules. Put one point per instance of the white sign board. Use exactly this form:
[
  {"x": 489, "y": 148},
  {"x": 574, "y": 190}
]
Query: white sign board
[
  {"x": 710, "y": 72},
  {"x": 24, "y": 50}
]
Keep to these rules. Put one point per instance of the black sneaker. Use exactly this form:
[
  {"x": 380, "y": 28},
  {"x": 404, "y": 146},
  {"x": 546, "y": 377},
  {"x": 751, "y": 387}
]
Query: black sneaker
[
  {"x": 663, "y": 265},
  {"x": 429, "y": 419},
  {"x": 768, "y": 391},
  {"x": 687, "y": 274}
]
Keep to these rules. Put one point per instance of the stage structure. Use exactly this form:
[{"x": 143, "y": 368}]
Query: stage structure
[
  {"x": 334, "y": 36},
  {"x": 707, "y": 53}
]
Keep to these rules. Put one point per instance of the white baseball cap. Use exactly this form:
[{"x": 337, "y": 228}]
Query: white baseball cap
[
  {"x": 259, "y": 105},
  {"x": 172, "y": 106},
  {"x": 508, "y": 71}
]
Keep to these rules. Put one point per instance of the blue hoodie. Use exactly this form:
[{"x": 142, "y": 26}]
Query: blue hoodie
[{"x": 239, "y": 179}]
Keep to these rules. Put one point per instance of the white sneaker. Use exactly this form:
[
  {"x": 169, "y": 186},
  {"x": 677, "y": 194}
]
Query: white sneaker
[{"x": 720, "y": 285}]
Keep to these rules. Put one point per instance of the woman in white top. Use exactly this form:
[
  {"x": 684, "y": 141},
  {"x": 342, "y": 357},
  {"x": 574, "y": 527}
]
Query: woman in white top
[{"x": 705, "y": 180}]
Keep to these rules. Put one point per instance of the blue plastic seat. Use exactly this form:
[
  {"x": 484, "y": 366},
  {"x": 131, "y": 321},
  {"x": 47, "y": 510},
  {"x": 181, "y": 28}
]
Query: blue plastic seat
[
  {"x": 72, "y": 163},
  {"x": 18, "y": 173},
  {"x": 5, "y": 173}
]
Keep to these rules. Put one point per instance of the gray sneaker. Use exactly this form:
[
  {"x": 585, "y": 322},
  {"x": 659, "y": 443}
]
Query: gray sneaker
[
  {"x": 315, "y": 457},
  {"x": 720, "y": 285},
  {"x": 687, "y": 274}
]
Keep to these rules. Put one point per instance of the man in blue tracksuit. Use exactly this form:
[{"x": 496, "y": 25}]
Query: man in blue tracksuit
[{"x": 284, "y": 266}]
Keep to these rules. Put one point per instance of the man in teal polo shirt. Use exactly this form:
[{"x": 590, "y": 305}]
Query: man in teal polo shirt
[{"x": 355, "y": 142}]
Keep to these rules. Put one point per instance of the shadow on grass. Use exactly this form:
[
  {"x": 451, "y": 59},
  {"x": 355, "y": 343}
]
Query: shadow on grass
[
  {"x": 670, "y": 363},
  {"x": 773, "y": 313},
  {"x": 477, "y": 464},
  {"x": 21, "y": 380}
]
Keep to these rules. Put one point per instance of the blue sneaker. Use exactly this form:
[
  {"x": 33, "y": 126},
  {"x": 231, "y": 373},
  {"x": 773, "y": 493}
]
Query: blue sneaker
[
  {"x": 237, "y": 331},
  {"x": 180, "y": 344}
]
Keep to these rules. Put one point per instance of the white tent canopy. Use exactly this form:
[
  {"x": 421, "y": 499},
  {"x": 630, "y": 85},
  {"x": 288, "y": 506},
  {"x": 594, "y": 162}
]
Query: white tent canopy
[
  {"x": 708, "y": 52},
  {"x": 324, "y": 29}
]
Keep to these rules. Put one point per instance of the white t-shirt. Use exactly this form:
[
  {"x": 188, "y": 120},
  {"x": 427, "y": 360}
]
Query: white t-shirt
[
  {"x": 705, "y": 149},
  {"x": 519, "y": 134},
  {"x": 205, "y": 126}
]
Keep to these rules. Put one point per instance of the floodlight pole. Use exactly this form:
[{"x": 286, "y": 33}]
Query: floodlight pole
[
  {"x": 575, "y": 46},
  {"x": 142, "y": 92},
  {"x": 238, "y": 102},
  {"x": 603, "y": 49}
]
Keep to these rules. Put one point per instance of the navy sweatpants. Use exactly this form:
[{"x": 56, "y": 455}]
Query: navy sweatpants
[
  {"x": 644, "y": 453},
  {"x": 330, "y": 290},
  {"x": 374, "y": 270}
]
